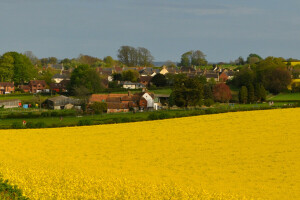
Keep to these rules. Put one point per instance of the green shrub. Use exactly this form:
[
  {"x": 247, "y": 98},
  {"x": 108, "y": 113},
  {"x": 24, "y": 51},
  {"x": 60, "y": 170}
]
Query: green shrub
[
  {"x": 85, "y": 122},
  {"x": 30, "y": 125},
  {"x": 45, "y": 114},
  {"x": 125, "y": 119},
  {"x": 164, "y": 116},
  {"x": 153, "y": 116},
  {"x": 10, "y": 192},
  {"x": 208, "y": 102},
  {"x": 54, "y": 114},
  {"x": 40, "y": 125},
  {"x": 17, "y": 125}
]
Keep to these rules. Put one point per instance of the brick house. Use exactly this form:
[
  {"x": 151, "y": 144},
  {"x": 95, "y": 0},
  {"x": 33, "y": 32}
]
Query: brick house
[
  {"x": 123, "y": 102},
  {"x": 37, "y": 86},
  {"x": 25, "y": 88},
  {"x": 6, "y": 87}
]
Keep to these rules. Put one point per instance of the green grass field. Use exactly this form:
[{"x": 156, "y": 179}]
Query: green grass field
[{"x": 286, "y": 97}]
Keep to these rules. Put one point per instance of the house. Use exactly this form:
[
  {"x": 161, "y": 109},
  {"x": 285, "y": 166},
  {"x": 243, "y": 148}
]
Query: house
[
  {"x": 57, "y": 78},
  {"x": 161, "y": 101},
  {"x": 62, "y": 102},
  {"x": 214, "y": 76},
  {"x": 125, "y": 102},
  {"x": 24, "y": 88},
  {"x": 145, "y": 80},
  {"x": 10, "y": 103},
  {"x": 60, "y": 87},
  {"x": 164, "y": 70},
  {"x": 130, "y": 85},
  {"x": 187, "y": 70},
  {"x": 37, "y": 86},
  {"x": 6, "y": 87},
  {"x": 223, "y": 76}
]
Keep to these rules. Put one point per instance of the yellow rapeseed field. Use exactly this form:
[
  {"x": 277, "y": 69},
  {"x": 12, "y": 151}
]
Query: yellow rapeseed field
[{"x": 243, "y": 155}]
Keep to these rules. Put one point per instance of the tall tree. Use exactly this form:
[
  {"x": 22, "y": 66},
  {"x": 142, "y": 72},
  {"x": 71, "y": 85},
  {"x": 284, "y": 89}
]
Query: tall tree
[
  {"x": 130, "y": 75},
  {"x": 87, "y": 77},
  {"x": 198, "y": 58},
  {"x": 159, "y": 80},
  {"x": 186, "y": 59},
  {"x": 6, "y": 68},
  {"x": 253, "y": 58},
  {"x": 222, "y": 93},
  {"x": 251, "y": 94},
  {"x": 144, "y": 57},
  {"x": 187, "y": 92},
  {"x": 243, "y": 95},
  {"x": 23, "y": 69}
]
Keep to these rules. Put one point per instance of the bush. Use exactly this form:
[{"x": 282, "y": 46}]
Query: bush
[
  {"x": 46, "y": 114},
  {"x": 208, "y": 102},
  {"x": 54, "y": 114},
  {"x": 164, "y": 116},
  {"x": 17, "y": 125},
  {"x": 153, "y": 116},
  {"x": 8, "y": 191},
  {"x": 85, "y": 122},
  {"x": 30, "y": 125},
  {"x": 40, "y": 125}
]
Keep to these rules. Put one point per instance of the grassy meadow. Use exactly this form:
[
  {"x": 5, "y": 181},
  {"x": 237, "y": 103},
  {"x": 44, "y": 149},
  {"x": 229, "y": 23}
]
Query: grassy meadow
[{"x": 241, "y": 155}]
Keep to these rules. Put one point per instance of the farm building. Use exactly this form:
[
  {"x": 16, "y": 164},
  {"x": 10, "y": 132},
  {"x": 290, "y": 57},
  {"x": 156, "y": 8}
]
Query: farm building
[
  {"x": 10, "y": 103},
  {"x": 62, "y": 102}
]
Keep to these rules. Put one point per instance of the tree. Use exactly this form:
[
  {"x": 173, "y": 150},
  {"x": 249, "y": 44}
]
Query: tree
[
  {"x": 251, "y": 95},
  {"x": 86, "y": 59},
  {"x": 222, "y": 93},
  {"x": 186, "y": 59},
  {"x": 253, "y": 58},
  {"x": 23, "y": 69},
  {"x": 34, "y": 60},
  {"x": 6, "y": 68},
  {"x": 52, "y": 60},
  {"x": 117, "y": 76},
  {"x": 198, "y": 58},
  {"x": 85, "y": 77},
  {"x": 208, "y": 92},
  {"x": 187, "y": 92},
  {"x": 277, "y": 80},
  {"x": 240, "y": 61},
  {"x": 144, "y": 57},
  {"x": 109, "y": 61},
  {"x": 131, "y": 56},
  {"x": 260, "y": 92},
  {"x": 159, "y": 80},
  {"x": 243, "y": 95},
  {"x": 130, "y": 75},
  {"x": 98, "y": 107}
]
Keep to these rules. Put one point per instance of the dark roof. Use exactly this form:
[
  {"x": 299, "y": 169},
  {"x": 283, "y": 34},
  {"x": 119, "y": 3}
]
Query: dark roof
[
  {"x": 6, "y": 84},
  {"x": 187, "y": 69},
  {"x": 36, "y": 82},
  {"x": 230, "y": 73},
  {"x": 210, "y": 75},
  {"x": 145, "y": 78}
]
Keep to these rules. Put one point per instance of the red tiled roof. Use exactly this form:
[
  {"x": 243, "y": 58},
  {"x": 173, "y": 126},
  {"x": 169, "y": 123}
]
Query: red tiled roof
[{"x": 112, "y": 105}]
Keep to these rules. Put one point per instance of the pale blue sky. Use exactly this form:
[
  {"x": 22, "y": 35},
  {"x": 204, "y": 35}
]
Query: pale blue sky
[{"x": 222, "y": 29}]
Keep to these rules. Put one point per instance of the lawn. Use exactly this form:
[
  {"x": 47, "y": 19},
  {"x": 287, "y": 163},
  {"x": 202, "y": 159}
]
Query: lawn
[
  {"x": 286, "y": 97},
  {"x": 241, "y": 155}
]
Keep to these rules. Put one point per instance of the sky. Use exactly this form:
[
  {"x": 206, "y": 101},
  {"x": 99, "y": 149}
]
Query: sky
[{"x": 222, "y": 30}]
